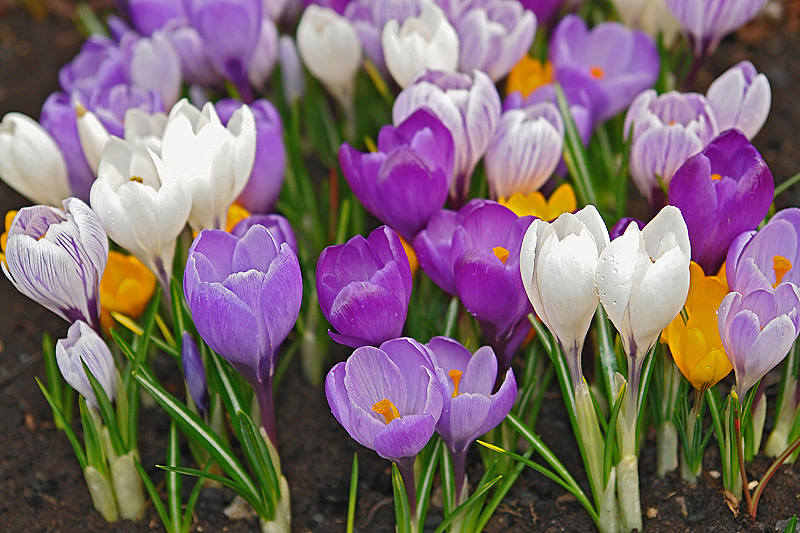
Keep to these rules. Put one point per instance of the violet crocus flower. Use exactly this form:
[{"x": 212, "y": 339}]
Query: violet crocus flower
[
  {"x": 266, "y": 179},
  {"x": 152, "y": 63},
  {"x": 147, "y": 16},
  {"x": 622, "y": 224},
  {"x": 84, "y": 345},
  {"x": 111, "y": 103},
  {"x": 758, "y": 330},
  {"x": 337, "y": 5},
  {"x": 265, "y": 55},
  {"x": 740, "y": 98},
  {"x": 723, "y": 191},
  {"x": 194, "y": 372},
  {"x": 196, "y": 66},
  {"x": 543, "y": 9},
  {"x": 616, "y": 63},
  {"x": 706, "y": 23},
  {"x": 369, "y": 17},
  {"x": 469, "y": 106},
  {"x": 763, "y": 260},
  {"x": 245, "y": 295},
  {"x": 415, "y": 156},
  {"x": 278, "y": 226},
  {"x": 98, "y": 64},
  {"x": 57, "y": 258},
  {"x": 432, "y": 247},
  {"x": 667, "y": 130},
  {"x": 364, "y": 287}
]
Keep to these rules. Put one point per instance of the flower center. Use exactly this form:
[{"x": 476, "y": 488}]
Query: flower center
[
  {"x": 781, "y": 266},
  {"x": 501, "y": 253},
  {"x": 597, "y": 73},
  {"x": 455, "y": 375},
  {"x": 716, "y": 177},
  {"x": 387, "y": 409}
]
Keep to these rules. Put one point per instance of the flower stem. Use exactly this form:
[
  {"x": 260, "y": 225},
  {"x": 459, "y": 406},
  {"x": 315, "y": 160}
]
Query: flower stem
[
  {"x": 737, "y": 426},
  {"x": 406, "y": 467},
  {"x": 460, "y": 476},
  {"x": 266, "y": 406}
]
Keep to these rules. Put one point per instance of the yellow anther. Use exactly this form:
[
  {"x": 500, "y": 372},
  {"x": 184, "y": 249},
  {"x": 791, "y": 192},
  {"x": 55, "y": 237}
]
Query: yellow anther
[
  {"x": 137, "y": 179},
  {"x": 781, "y": 266},
  {"x": 716, "y": 177},
  {"x": 455, "y": 375},
  {"x": 501, "y": 253},
  {"x": 387, "y": 409}
]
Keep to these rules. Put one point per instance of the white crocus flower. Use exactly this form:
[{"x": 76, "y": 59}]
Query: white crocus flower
[
  {"x": 424, "y": 42},
  {"x": 213, "y": 160},
  {"x": 650, "y": 16},
  {"x": 741, "y": 99},
  {"x": 331, "y": 49},
  {"x": 31, "y": 162},
  {"x": 141, "y": 207}
]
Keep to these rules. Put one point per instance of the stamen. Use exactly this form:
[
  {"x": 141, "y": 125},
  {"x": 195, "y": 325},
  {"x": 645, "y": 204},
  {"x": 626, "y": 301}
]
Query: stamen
[
  {"x": 137, "y": 179},
  {"x": 387, "y": 409},
  {"x": 716, "y": 177},
  {"x": 501, "y": 253},
  {"x": 455, "y": 375},
  {"x": 781, "y": 266},
  {"x": 597, "y": 73}
]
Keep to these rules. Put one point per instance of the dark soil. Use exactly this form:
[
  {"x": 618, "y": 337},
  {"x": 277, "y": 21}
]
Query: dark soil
[{"x": 42, "y": 488}]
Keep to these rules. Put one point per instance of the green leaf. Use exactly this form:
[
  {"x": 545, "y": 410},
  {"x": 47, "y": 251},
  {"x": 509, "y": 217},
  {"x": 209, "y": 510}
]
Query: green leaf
[
  {"x": 351, "y": 501},
  {"x": 107, "y": 411},
  {"x": 575, "y": 154},
  {"x": 155, "y": 497},
  {"x": 65, "y": 426},
  {"x": 192, "y": 502},
  {"x": 260, "y": 461},
  {"x": 256, "y": 504},
  {"x": 95, "y": 455},
  {"x": 448, "y": 483},
  {"x": 605, "y": 348},
  {"x": 467, "y": 504},
  {"x": 402, "y": 512},
  {"x": 54, "y": 379},
  {"x": 611, "y": 435},
  {"x": 229, "y": 390},
  {"x": 173, "y": 480},
  {"x": 500, "y": 492},
  {"x": 791, "y": 526},
  {"x": 426, "y": 481}
]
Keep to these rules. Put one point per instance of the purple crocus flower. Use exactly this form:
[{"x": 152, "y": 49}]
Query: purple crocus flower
[
  {"x": 763, "y": 260},
  {"x": 758, "y": 330},
  {"x": 621, "y": 225},
  {"x": 740, "y": 98},
  {"x": 293, "y": 77},
  {"x": 98, "y": 64},
  {"x": 152, "y": 63},
  {"x": 364, "y": 287},
  {"x": 706, "y": 23},
  {"x": 723, "y": 191},
  {"x": 196, "y": 66},
  {"x": 485, "y": 260},
  {"x": 469, "y": 106},
  {"x": 278, "y": 226},
  {"x": 369, "y": 17},
  {"x": 148, "y": 16},
  {"x": 194, "y": 372},
  {"x": 57, "y": 258},
  {"x": 543, "y": 9},
  {"x": 616, "y": 63},
  {"x": 84, "y": 345},
  {"x": 667, "y": 130},
  {"x": 266, "y": 179},
  {"x": 337, "y": 5},
  {"x": 111, "y": 103},
  {"x": 265, "y": 55},
  {"x": 388, "y": 399},
  {"x": 245, "y": 295},
  {"x": 469, "y": 407},
  {"x": 413, "y": 157}
]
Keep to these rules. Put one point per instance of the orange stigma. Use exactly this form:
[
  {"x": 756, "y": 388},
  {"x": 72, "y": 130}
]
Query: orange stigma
[
  {"x": 455, "y": 375},
  {"x": 501, "y": 253},
  {"x": 781, "y": 266},
  {"x": 387, "y": 409},
  {"x": 597, "y": 73},
  {"x": 716, "y": 177}
]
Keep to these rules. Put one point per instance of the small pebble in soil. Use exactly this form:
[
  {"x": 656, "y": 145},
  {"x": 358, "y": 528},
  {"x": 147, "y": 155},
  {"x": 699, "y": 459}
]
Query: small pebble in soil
[
  {"x": 781, "y": 525},
  {"x": 652, "y": 512}
]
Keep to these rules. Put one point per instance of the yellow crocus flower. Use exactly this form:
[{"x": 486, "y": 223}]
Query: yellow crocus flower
[
  {"x": 4, "y": 237},
  {"x": 412, "y": 256},
  {"x": 528, "y": 75},
  {"x": 561, "y": 201},
  {"x": 126, "y": 287}
]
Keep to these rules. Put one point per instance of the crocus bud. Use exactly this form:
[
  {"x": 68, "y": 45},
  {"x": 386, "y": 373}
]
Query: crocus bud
[
  {"x": 196, "y": 65},
  {"x": 194, "y": 372},
  {"x": 706, "y": 23},
  {"x": 293, "y": 78},
  {"x": 424, "y": 42},
  {"x": 723, "y": 191},
  {"x": 31, "y": 162},
  {"x": 330, "y": 49},
  {"x": 153, "y": 63},
  {"x": 740, "y": 98},
  {"x": 265, "y": 55},
  {"x": 56, "y": 258},
  {"x": 364, "y": 287},
  {"x": 525, "y": 150},
  {"x": 84, "y": 345},
  {"x": 650, "y": 16},
  {"x": 148, "y": 16}
]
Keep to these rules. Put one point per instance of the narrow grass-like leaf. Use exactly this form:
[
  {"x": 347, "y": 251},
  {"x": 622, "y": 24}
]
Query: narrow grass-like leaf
[
  {"x": 132, "y": 326},
  {"x": 229, "y": 391},
  {"x": 155, "y": 497},
  {"x": 402, "y": 512},
  {"x": 448, "y": 483},
  {"x": 54, "y": 379},
  {"x": 451, "y": 318},
  {"x": 791, "y": 526},
  {"x": 575, "y": 153},
  {"x": 472, "y": 514},
  {"x": 608, "y": 455},
  {"x": 261, "y": 459},
  {"x": 186, "y": 524},
  {"x": 426, "y": 481},
  {"x": 176, "y": 301},
  {"x": 605, "y": 348},
  {"x": 467, "y": 504},
  {"x": 622, "y": 177},
  {"x": 647, "y": 376},
  {"x": 65, "y": 426},
  {"x": 95, "y": 456},
  {"x": 255, "y": 503},
  {"x": 107, "y": 411},
  {"x": 351, "y": 501},
  {"x": 500, "y": 492},
  {"x": 173, "y": 479}
]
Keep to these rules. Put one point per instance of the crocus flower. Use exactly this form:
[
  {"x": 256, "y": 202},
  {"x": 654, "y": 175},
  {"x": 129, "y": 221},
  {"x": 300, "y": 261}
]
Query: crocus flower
[
  {"x": 432, "y": 248},
  {"x": 706, "y": 23},
  {"x": 364, "y": 287},
  {"x": 278, "y": 226},
  {"x": 543, "y": 9},
  {"x": 650, "y": 16},
  {"x": 562, "y": 200},
  {"x": 194, "y": 372},
  {"x": 152, "y": 63},
  {"x": 469, "y": 106},
  {"x": 615, "y": 62},
  {"x": 370, "y": 17},
  {"x": 758, "y": 330},
  {"x": 525, "y": 150},
  {"x": 126, "y": 287},
  {"x": 723, "y": 191},
  {"x": 196, "y": 66},
  {"x": 338, "y": 6},
  {"x": 147, "y": 16},
  {"x": 111, "y": 104},
  {"x": 141, "y": 206},
  {"x": 265, "y": 55},
  {"x": 763, "y": 260},
  {"x": 415, "y": 156},
  {"x": 493, "y": 35},
  {"x": 56, "y": 258},
  {"x": 84, "y": 345},
  {"x": 528, "y": 75},
  {"x": 695, "y": 343},
  {"x": 667, "y": 130},
  {"x": 330, "y": 49},
  {"x": 740, "y": 98},
  {"x": 558, "y": 263},
  {"x": 98, "y": 64},
  {"x": 622, "y": 224},
  {"x": 292, "y": 75},
  {"x": 214, "y": 160},
  {"x": 245, "y": 295},
  {"x": 31, "y": 162}
]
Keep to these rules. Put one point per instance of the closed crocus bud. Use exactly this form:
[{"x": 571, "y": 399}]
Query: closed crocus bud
[
  {"x": 413, "y": 157},
  {"x": 126, "y": 287},
  {"x": 643, "y": 280},
  {"x": 706, "y": 23},
  {"x": 765, "y": 259},
  {"x": 525, "y": 150},
  {"x": 147, "y": 16},
  {"x": 152, "y": 63},
  {"x": 293, "y": 77},
  {"x": 278, "y": 226},
  {"x": 494, "y": 35},
  {"x": 723, "y": 191},
  {"x": 650, "y": 16},
  {"x": 370, "y": 17},
  {"x": 364, "y": 287},
  {"x": 667, "y": 130},
  {"x": 424, "y": 42},
  {"x": 758, "y": 330},
  {"x": 468, "y": 106},
  {"x": 265, "y": 55},
  {"x": 194, "y": 372},
  {"x": 196, "y": 65},
  {"x": 330, "y": 49},
  {"x": 615, "y": 63},
  {"x": 31, "y": 162},
  {"x": 214, "y": 160},
  {"x": 558, "y": 263},
  {"x": 56, "y": 258},
  {"x": 142, "y": 207},
  {"x": 269, "y": 166},
  {"x": 740, "y": 98},
  {"x": 84, "y": 345}
]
